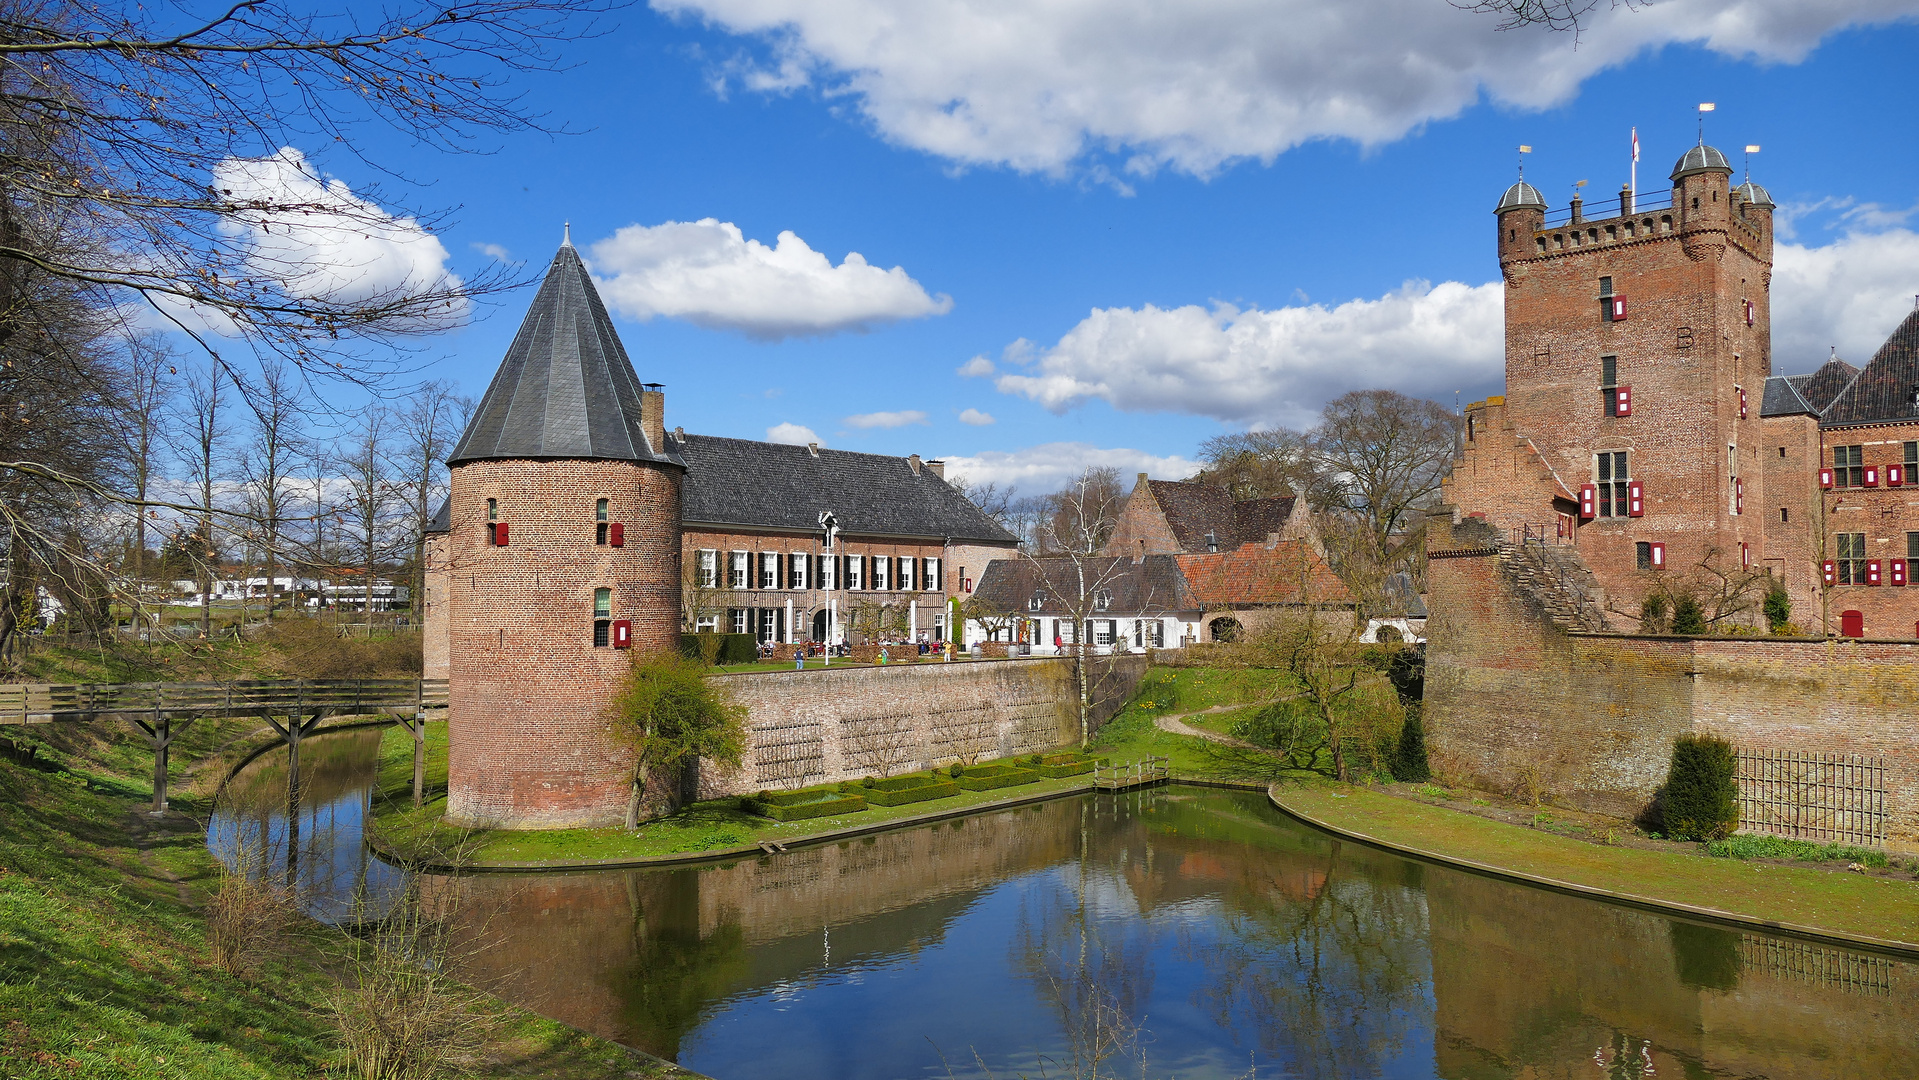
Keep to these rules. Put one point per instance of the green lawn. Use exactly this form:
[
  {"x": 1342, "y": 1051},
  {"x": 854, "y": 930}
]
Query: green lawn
[
  {"x": 714, "y": 826},
  {"x": 1848, "y": 903},
  {"x": 105, "y": 973}
]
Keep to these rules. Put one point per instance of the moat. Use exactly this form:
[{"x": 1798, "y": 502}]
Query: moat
[{"x": 1178, "y": 932}]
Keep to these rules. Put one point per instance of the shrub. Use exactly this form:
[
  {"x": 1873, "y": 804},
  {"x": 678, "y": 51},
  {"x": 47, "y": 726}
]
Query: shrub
[
  {"x": 1699, "y": 799},
  {"x": 720, "y": 648},
  {"x": 1409, "y": 757},
  {"x": 1652, "y": 613},
  {"x": 1687, "y": 617},
  {"x": 671, "y": 716},
  {"x": 1780, "y": 847},
  {"x": 956, "y": 771},
  {"x": 1777, "y": 607},
  {"x": 911, "y": 789},
  {"x": 310, "y": 649},
  {"x": 989, "y": 777},
  {"x": 801, "y": 805},
  {"x": 1060, "y": 765}
]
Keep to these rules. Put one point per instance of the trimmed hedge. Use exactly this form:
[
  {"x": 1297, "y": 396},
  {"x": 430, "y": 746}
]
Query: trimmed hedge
[
  {"x": 800, "y": 805},
  {"x": 901, "y": 790},
  {"x": 988, "y": 777},
  {"x": 1059, "y": 765},
  {"x": 734, "y": 648}
]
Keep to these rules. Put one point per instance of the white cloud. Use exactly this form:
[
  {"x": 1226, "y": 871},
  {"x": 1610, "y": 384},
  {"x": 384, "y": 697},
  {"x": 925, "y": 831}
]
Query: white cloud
[
  {"x": 1048, "y": 467},
  {"x": 707, "y": 273},
  {"x": 1274, "y": 366},
  {"x": 1039, "y": 85},
  {"x": 493, "y": 251},
  {"x": 793, "y": 434},
  {"x": 975, "y": 417},
  {"x": 887, "y": 419},
  {"x": 1851, "y": 293},
  {"x": 322, "y": 242},
  {"x": 977, "y": 368}
]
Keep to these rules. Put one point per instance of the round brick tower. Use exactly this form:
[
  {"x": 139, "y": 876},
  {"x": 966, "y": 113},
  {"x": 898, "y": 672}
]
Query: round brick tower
[{"x": 563, "y": 555}]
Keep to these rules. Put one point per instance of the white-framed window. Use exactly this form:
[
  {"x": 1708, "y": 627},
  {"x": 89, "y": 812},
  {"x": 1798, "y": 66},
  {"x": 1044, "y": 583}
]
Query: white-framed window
[
  {"x": 882, "y": 570},
  {"x": 707, "y": 568},
  {"x": 769, "y": 570},
  {"x": 1102, "y": 600},
  {"x": 1105, "y": 631},
  {"x": 796, "y": 567},
  {"x": 935, "y": 581},
  {"x": 829, "y": 572},
  {"x": 736, "y": 570},
  {"x": 736, "y": 618},
  {"x": 909, "y": 574},
  {"x": 706, "y": 624},
  {"x": 1067, "y": 630},
  {"x": 1036, "y": 602},
  {"x": 855, "y": 572}
]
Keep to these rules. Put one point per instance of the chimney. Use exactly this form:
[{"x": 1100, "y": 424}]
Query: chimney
[
  {"x": 1626, "y": 208},
  {"x": 1579, "y": 209},
  {"x": 913, "y": 462},
  {"x": 1141, "y": 480},
  {"x": 679, "y": 435},
  {"x": 938, "y": 467},
  {"x": 653, "y": 415}
]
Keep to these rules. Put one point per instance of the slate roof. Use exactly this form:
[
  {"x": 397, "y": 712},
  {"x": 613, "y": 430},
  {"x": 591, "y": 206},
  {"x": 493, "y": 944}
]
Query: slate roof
[
  {"x": 1700, "y": 158},
  {"x": 1821, "y": 388},
  {"x": 1883, "y": 391},
  {"x": 740, "y": 482},
  {"x": 1192, "y": 510},
  {"x": 1151, "y": 584},
  {"x": 442, "y": 518},
  {"x": 566, "y": 388},
  {"x": 1782, "y": 398},
  {"x": 1520, "y": 194},
  {"x": 1289, "y": 572}
]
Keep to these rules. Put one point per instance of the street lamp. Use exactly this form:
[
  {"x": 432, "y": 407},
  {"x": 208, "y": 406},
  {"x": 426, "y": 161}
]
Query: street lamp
[{"x": 829, "y": 531}]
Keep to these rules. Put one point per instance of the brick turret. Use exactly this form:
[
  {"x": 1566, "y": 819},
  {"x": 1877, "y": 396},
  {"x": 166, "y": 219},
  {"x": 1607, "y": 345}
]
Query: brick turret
[{"x": 562, "y": 550}]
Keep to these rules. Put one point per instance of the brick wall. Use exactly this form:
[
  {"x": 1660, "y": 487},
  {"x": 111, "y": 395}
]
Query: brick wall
[
  {"x": 1789, "y": 454},
  {"x": 528, "y": 687},
  {"x": 1142, "y": 528},
  {"x": 434, "y": 656},
  {"x": 818, "y": 726},
  {"x": 1507, "y": 689},
  {"x": 1883, "y": 515}
]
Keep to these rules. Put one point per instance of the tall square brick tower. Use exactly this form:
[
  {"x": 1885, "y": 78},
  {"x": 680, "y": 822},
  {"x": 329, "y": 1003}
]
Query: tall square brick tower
[{"x": 1637, "y": 353}]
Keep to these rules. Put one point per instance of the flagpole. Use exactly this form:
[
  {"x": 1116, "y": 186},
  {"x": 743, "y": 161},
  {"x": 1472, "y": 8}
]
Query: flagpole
[{"x": 1633, "y": 208}]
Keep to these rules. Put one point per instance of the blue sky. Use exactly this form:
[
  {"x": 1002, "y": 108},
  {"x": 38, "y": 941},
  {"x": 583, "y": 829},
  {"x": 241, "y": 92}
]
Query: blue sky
[{"x": 1086, "y": 184}]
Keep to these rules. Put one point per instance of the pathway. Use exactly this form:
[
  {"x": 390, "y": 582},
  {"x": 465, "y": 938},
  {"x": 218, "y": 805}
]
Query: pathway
[{"x": 1175, "y": 724}]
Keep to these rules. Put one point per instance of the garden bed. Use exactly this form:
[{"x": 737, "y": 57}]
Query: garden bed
[
  {"x": 803, "y": 804},
  {"x": 988, "y": 777},
  {"x": 1063, "y": 765},
  {"x": 900, "y": 790}
]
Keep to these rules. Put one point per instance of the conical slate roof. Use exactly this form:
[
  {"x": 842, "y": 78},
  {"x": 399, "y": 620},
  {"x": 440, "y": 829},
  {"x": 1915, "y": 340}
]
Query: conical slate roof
[{"x": 566, "y": 388}]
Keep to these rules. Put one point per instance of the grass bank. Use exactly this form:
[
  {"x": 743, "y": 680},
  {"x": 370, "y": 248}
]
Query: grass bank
[
  {"x": 104, "y": 966},
  {"x": 1872, "y": 907},
  {"x": 706, "y": 828}
]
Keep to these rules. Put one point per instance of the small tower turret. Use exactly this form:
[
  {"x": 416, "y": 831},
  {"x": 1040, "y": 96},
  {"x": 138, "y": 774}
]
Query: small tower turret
[
  {"x": 1701, "y": 188},
  {"x": 1522, "y": 213}
]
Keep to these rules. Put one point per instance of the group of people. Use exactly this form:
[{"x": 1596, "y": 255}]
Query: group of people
[{"x": 890, "y": 651}]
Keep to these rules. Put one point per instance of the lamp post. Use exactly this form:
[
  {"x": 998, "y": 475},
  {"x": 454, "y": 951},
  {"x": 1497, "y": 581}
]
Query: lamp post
[{"x": 829, "y": 531}]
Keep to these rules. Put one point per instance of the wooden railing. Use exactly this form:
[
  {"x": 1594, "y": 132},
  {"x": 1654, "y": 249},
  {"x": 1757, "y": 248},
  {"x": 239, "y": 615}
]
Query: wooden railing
[
  {"x": 27, "y": 703},
  {"x": 1127, "y": 774}
]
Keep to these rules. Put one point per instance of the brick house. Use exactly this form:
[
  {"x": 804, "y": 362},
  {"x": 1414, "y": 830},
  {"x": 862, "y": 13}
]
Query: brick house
[
  {"x": 753, "y": 544},
  {"x": 1642, "y": 424}
]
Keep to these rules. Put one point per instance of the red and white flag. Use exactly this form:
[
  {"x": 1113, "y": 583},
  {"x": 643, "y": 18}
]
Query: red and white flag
[{"x": 1635, "y": 145}]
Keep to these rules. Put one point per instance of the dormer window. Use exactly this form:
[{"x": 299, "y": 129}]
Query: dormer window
[
  {"x": 1102, "y": 600},
  {"x": 1212, "y": 542},
  {"x": 1037, "y": 602}
]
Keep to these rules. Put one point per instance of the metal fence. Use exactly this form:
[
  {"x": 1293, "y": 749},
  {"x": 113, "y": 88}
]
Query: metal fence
[{"x": 1833, "y": 798}]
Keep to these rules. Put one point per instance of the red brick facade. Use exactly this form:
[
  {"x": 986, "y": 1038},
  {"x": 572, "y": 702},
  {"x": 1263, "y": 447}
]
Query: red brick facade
[
  {"x": 716, "y": 597},
  {"x": 1883, "y": 517},
  {"x": 1672, "y": 304},
  {"x": 529, "y": 686}
]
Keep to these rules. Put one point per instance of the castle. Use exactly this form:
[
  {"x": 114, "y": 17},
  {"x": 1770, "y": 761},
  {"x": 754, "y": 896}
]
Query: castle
[
  {"x": 577, "y": 526},
  {"x": 1643, "y": 426}
]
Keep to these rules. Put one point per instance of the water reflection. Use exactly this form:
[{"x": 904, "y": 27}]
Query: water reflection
[
  {"x": 1182, "y": 932},
  {"x": 331, "y": 869}
]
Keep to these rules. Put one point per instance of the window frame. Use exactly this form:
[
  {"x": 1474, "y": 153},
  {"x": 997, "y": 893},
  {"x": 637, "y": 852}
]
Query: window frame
[
  {"x": 739, "y": 570},
  {"x": 1849, "y": 562},
  {"x": 1848, "y": 466},
  {"x": 602, "y": 618},
  {"x": 1612, "y": 481}
]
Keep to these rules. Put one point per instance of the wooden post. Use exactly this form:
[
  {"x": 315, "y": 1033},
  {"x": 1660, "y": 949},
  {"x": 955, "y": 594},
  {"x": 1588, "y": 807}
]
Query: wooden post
[
  {"x": 419, "y": 744},
  {"x": 162, "y": 736}
]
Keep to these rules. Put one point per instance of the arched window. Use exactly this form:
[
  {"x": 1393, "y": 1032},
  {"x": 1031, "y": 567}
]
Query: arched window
[
  {"x": 602, "y": 617},
  {"x": 599, "y": 522}
]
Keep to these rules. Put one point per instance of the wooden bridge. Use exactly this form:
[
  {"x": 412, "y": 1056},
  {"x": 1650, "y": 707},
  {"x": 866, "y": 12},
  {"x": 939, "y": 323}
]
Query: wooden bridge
[
  {"x": 294, "y": 707},
  {"x": 1120, "y": 776}
]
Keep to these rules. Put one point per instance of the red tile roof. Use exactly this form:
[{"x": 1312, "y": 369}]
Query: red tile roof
[{"x": 1289, "y": 572}]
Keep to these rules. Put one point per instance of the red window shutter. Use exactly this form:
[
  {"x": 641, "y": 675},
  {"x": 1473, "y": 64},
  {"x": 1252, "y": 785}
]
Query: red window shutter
[
  {"x": 1872, "y": 571},
  {"x": 1738, "y": 496},
  {"x": 499, "y": 534},
  {"x": 1895, "y": 475},
  {"x": 623, "y": 634},
  {"x": 616, "y": 534},
  {"x": 1658, "y": 555},
  {"x": 1635, "y": 499},
  {"x": 1896, "y": 572},
  {"x": 1872, "y": 476},
  {"x": 1589, "y": 502},
  {"x": 1618, "y": 309},
  {"x": 1748, "y": 313},
  {"x": 1825, "y": 479},
  {"x": 1830, "y": 571},
  {"x": 1742, "y": 403},
  {"x": 1622, "y": 396},
  {"x": 1745, "y": 556}
]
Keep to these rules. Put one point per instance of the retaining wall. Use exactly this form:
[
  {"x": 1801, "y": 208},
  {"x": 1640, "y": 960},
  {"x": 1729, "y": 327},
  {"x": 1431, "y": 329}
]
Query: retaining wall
[{"x": 1510, "y": 690}]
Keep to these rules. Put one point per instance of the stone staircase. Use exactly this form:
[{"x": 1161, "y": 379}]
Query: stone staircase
[{"x": 1554, "y": 582}]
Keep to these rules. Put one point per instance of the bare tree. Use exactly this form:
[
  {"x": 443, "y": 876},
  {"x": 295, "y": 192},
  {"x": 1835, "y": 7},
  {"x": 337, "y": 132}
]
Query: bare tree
[
  {"x": 1564, "y": 15},
  {"x": 1383, "y": 455},
  {"x": 146, "y": 389},
  {"x": 370, "y": 496},
  {"x": 993, "y": 501},
  {"x": 206, "y": 441},
  {"x": 427, "y": 430},
  {"x": 268, "y": 466},
  {"x": 1074, "y": 574},
  {"x": 1263, "y": 464}
]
